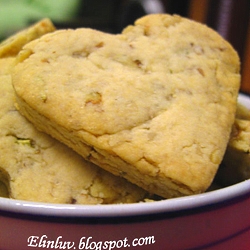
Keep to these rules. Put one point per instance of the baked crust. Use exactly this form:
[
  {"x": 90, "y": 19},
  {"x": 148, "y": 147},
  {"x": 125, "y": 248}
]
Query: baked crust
[{"x": 146, "y": 104}]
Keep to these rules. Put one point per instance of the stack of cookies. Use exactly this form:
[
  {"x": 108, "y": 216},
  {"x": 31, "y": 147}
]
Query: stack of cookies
[{"x": 148, "y": 111}]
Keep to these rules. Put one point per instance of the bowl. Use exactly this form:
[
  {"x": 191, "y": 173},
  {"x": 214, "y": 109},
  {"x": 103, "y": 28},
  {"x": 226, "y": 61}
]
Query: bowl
[{"x": 218, "y": 219}]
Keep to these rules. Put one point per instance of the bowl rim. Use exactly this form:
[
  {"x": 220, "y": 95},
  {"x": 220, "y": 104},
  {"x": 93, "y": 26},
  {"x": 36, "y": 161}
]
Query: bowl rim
[{"x": 215, "y": 197}]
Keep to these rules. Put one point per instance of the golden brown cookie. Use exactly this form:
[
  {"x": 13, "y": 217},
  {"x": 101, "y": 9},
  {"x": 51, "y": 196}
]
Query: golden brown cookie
[
  {"x": 235, "y": 166},
  {"x": 154, "y": 104},
  {"x": 12, "y": 45}
]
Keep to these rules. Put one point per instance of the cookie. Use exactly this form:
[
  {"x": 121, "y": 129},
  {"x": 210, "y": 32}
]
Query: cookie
[
  {"x": 235, "y": 166},
  {"x": 39, "y": 168},
  {"x": 146, "y": 104},
  {"x": 12, "y": 45},
  {"x": 36, "y": 167}
]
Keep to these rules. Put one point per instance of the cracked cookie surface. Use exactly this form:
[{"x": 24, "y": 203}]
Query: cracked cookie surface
[{"x": 146, "y": 104}]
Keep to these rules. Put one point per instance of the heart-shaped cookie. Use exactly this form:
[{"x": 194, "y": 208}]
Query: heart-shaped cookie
[{"x": 154, "y": 104}]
